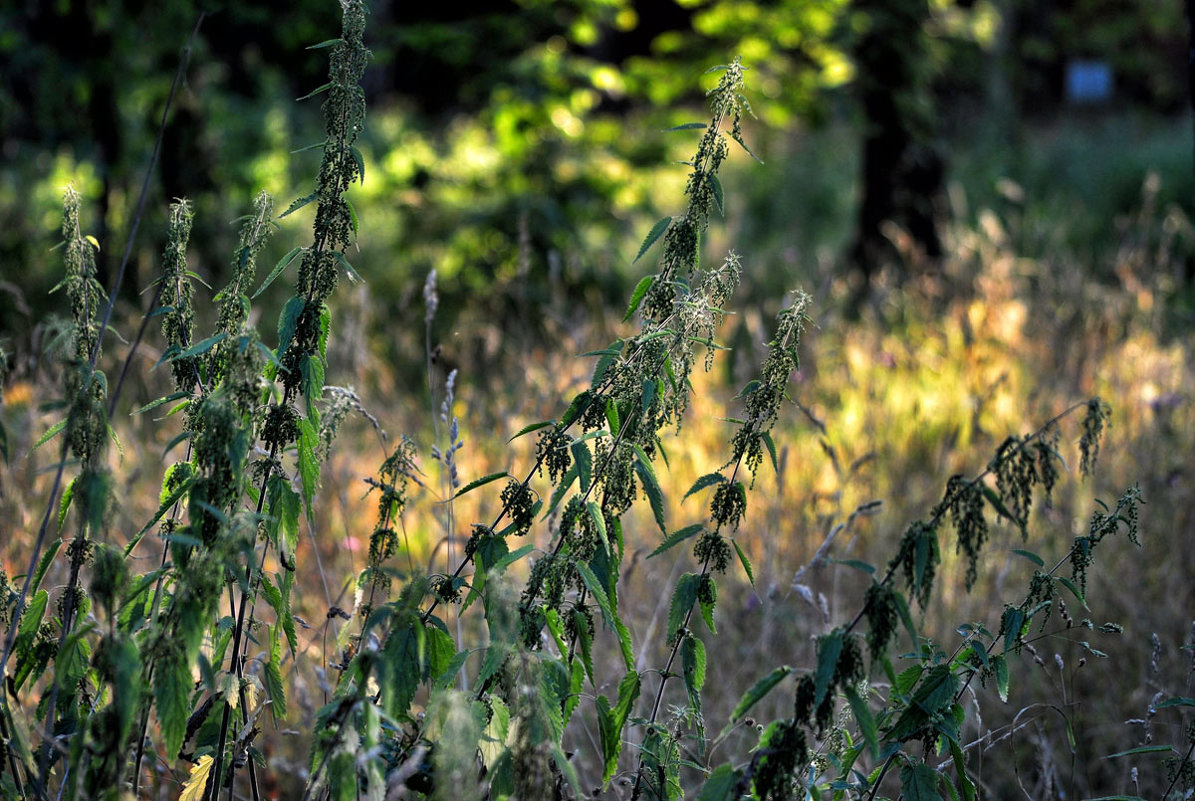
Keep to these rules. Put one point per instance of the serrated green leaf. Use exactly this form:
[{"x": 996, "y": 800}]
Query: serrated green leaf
[
  {"x": 64, "y": 503},
  {"x": 651, "y": 487},
  {"x": 745, "y": 562},
  {"x": 708, "y": 480},
  {"x": 531, "y": 427},
  {"x": 866, "y": 721},
  {"x": 637, "y": 296},
  {"x": 576, "y": 408},
  {"x": 509, "y": 558},
  {"x": 584, "y": 643},
  {"x": 677, "y": 537},
  {"x": 156, "y": 403},
  {"x": 688, "y": 126},
  {"x": 481, "y": 482},
  {"x": 309, "y": 471},
  {"x": 759, "y": 690},
  {"x": 599, "y": 522},
  {"x": 716, "y": 187},
  {"x": 29, "y": 661},
  {"x": 829, "y": 648},
  {"x": 693, "y": 664},
  {"x": 1070, "y": 585},
  {"x": 282, "y": 263},
  {"x": 970, "y": 793},
  {"x": 722, "y": 784},
  {"x": 1030, "y": 555},
  {"x": 770, "y": 444},
  {"x": 583, "y": 460},
  {"x": 275, "y": 689},
  {"x": 655, "y": 233},
  {"x": 172, "y": 689},
  {"x": 609, "y": 613},
  {"x": 326, "y": 43},
  {"x": 683, "y": 598},
  {"x": 998, "y": 504},
  {"x": 54, "y": 431},
  {"x": 402, "y": 657},
  {"x": 1178, "y": 700},
  {"x": 312, "y": 93},
  {"x": 919, "y": 782},
  {"x": 857, "y": 564},
  {"x": 360, "y": 160}
]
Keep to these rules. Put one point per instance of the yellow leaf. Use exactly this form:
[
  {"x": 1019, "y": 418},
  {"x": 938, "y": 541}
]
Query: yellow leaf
[
  {"x": 229, "y": 686},
  {"x": 95, "y": 243},
  {"x": 197, "y": 782}
]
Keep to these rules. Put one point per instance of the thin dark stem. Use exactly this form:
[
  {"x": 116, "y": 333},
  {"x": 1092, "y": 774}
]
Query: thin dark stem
[{"x": 153, "y": 163}]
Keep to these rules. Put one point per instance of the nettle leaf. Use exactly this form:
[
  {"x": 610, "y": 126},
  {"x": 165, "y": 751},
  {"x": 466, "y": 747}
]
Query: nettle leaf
[
  {"x": 655, "y": 233},
  {"x": 275, "y": 688},
  {"x": 195, "y": 787},
  {"x": 448, "y": 675},
  {"x": 308, "y": 463},
  {"x": 677, "y": 537},
  {"x": 637, "y": 296},
  {"x": 288, "y": 320},
  {"x": 611, "y": 721},
  {"x": 651, "y": 486},
  {"x": 64, "y": 504},
  {"x": 566, "y": 481},
  {"x": 599, "y": 522},
  {"x": 312, "y": 93},
  {"x": 707, "y": 602},
  {"x": 1031, "y": 556},
  {"x": 282, "y": 264},
  {"x": 172, "y": 690},
  {"x": 29, "y": 660},
  {"x": 1177, "y": 700},
  {"x": 531, "y": 427},
  {"x": 326, "y": 43},
  {"x": 683, "y": 598},
  {"x": 970, "y": 793},
  {"x": 693, "y": 663},
  {"x": 156, "y": 403},
  {"x": 866, "y": 721},
  {"x": 722, "y": 785},
  {"x": 745, "y": 562},
  {"x": 441, "y": 650},
  {"x": 54, "y": 431},
  {"x": 919, "y": 782},
  {"x": 403, "y": 660},
  {"x": 716, "y": 187},
  {"x": 1000, "y": 666},
  {"x": 360, "y": 161},
  {"x": 584, "y": 643},
  {"x": 583, "y": 459},
  {"x": 829, "y": 648},
  {"x": 576, "y": 408},
  {"x": 481, "y": 482},
  {"x": 708, "y": 480},
  {"x": 688, "y": 126},
  {"x": 770, "y": 444},
  {"x": 609, "y": 612},
  {"x": 758, "y": 691}
]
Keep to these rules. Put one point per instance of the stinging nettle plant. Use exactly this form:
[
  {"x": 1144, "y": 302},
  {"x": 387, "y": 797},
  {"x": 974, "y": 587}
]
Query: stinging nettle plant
[{"x": 148, "y": 683}]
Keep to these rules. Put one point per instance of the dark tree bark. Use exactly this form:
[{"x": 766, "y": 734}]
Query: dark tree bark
[{"x": 903, "y": 174}]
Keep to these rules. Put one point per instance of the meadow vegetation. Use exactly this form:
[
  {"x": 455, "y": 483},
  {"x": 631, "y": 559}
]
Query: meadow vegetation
[{"x": 746, "y": 545}]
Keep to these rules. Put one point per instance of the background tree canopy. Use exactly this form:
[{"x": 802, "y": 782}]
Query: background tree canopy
[{"x": 524, "y": 138}]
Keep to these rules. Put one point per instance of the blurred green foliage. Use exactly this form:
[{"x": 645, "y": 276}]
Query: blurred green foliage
[{"x": 516, "y": 147}]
